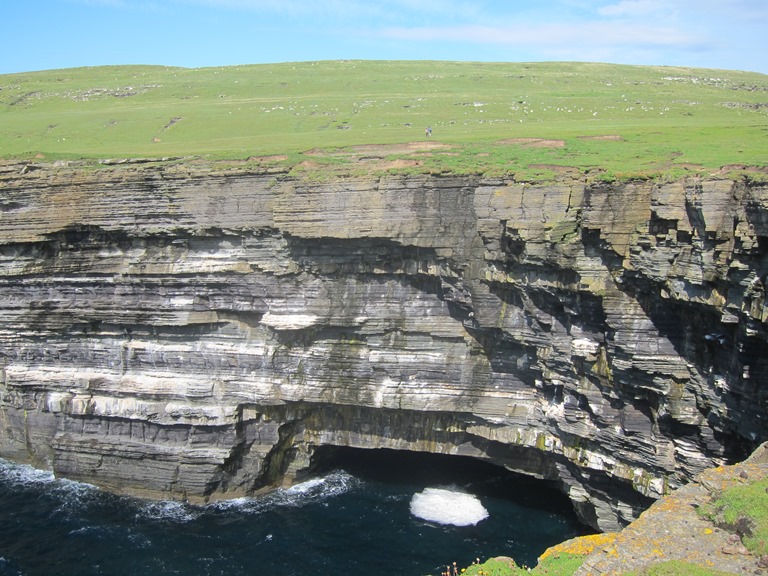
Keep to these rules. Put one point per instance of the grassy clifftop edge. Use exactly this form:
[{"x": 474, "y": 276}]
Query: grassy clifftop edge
[{"x": 536, "y": 121}]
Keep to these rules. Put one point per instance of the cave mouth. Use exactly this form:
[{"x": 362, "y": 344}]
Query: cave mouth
[{"x": 420, "y": 470}]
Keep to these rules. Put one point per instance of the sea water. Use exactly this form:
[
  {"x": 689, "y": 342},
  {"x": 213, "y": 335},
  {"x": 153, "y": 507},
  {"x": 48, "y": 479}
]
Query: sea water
[{"x": 361, "y": 521}]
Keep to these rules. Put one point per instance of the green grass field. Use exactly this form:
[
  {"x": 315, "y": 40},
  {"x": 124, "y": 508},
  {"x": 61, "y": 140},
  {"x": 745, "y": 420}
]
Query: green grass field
[{"x": 536, "y": 119}]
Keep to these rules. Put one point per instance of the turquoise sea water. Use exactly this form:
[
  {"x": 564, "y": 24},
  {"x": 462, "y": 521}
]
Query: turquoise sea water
[{"x": 353, "y": 518}]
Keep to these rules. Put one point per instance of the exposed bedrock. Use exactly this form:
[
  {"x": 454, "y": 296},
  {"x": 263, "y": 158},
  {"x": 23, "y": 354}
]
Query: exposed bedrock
[{"x": 197, "y": 334}]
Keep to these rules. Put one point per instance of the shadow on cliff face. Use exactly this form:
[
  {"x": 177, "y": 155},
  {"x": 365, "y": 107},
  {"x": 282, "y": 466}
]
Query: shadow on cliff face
[
  {"x": 421, "y": 470},
  {"x": 728, "y": 358}
]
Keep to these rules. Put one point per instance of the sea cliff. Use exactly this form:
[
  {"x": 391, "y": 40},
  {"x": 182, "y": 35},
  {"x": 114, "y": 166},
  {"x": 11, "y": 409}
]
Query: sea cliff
[{"x": 198, "y": 331}]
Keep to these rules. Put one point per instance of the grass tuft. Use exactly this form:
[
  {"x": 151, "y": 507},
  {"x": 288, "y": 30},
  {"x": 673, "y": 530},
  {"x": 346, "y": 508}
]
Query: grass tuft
[{"x": 743, "y": 509}]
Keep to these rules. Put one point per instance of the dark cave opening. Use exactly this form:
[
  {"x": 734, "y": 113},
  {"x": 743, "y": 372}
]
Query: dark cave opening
[{"x": 421, "y": 470}]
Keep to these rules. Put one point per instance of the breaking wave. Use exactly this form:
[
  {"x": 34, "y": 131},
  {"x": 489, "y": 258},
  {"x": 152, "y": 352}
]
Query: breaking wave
[
  {"x": 168, "y": 510},
  {"x": 72, "y": 497},
  {"x": 23, "y": 475},
  {"x": 314, "y": 490}
]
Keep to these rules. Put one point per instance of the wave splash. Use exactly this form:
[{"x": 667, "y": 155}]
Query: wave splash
[
  {"x": 316, "y": 489},
  {"x": 448, "y": 506},
  {"x": 23, "y": 475},
  {"x": 72, "y": 498},
  {"x": 313, "y": 490}
]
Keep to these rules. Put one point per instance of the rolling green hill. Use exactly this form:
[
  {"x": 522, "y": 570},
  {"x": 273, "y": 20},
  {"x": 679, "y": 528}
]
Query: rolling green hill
[{"x": 531, "y": 119}]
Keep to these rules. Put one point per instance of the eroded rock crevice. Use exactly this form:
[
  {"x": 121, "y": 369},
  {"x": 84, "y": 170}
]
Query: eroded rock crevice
[{"x": 200, "y": 335}]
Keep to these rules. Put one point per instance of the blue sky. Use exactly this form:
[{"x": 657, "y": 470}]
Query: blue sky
[{"x": 45, "y": 34}]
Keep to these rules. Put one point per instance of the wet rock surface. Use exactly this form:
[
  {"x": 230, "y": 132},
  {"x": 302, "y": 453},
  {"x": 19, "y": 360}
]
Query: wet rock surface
[{"x": 196, "y": 332}]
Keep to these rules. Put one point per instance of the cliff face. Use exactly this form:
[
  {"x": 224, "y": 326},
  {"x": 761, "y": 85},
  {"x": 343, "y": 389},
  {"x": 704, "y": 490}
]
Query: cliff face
[{"x": 192, "y": 333}]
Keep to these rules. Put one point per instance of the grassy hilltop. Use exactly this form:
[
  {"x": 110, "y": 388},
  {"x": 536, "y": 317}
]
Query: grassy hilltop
[{"x": 534, "y": 120}]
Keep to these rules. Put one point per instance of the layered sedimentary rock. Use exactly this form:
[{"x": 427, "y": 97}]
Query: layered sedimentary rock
[{"x": 196, "y": 333}]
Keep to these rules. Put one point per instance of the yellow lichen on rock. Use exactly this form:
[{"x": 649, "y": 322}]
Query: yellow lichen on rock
[{"x": 581, "y": 545}]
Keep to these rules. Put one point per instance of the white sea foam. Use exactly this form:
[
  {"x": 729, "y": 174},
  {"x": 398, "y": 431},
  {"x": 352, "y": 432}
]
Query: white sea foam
[
  {"x": 72, "y": 497},
  {"x": 317, "y": 489},
  {"x": 169, "y": 510},
  {"x": 242, "y": 504},
  {"x": 22, "y": 474},
  {"x": 313, "y": 490},
  {"x": 308, "y": 486},
  {"x": 448, "y": 506}
]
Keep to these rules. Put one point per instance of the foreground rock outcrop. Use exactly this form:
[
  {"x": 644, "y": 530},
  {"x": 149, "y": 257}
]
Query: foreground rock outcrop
[
  {"x": 674, "y": 529},
  {"x": 197, "y": 333}
]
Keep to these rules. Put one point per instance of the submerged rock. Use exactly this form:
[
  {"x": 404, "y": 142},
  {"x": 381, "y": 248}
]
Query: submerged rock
[{"x": 180, "y": 332}]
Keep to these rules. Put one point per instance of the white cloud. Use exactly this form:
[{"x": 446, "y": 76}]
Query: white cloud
[
  {"x": 348, "y": 9},
  {"x": 112, "y": 3},
  {"x": 453, "y": 8},
  {"x": 587, "y": 35},
  {"x": 713, "y": 11},
  {"x": 633, "y": 8},
  {"x": 124, "y": 4}
]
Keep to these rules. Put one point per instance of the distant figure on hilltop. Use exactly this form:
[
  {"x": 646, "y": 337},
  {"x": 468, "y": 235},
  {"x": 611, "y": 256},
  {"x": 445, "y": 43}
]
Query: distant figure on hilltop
[{"x": 428, "y": 132}]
